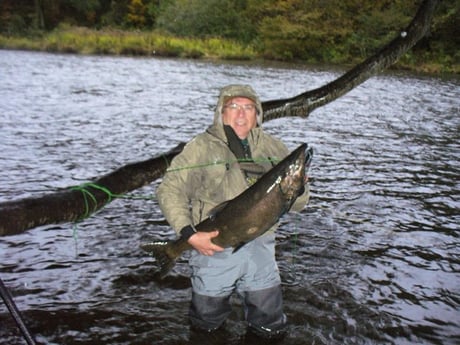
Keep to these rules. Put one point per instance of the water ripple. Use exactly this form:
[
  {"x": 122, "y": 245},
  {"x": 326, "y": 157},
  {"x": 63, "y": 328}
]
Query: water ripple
[{"x": 374, "y": 259}]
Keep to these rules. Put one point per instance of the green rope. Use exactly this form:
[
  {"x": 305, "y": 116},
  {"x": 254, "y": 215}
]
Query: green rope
[
  {"x": 292, "y": 277},
  {"x": 220, "y": 162},
  {"x": 86, "y": 194},
  {"x": 168, "y": 163},
  {"x": 83, "y": 188},
  {"x": 74, "y": 232},
  {"x": 89, "y": 197}
]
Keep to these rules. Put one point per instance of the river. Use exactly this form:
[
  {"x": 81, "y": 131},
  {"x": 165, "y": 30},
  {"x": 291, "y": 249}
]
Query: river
[{"x": 373, "y": 259}]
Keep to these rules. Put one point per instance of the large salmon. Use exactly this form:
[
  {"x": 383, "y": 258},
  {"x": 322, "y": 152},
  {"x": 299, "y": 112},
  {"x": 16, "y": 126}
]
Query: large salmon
[{"x": 248, "y": 215}]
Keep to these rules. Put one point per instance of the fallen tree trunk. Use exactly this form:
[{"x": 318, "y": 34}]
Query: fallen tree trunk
[
  {"x": 73, "y": 204},
  {"x": 78, "y": 202}
]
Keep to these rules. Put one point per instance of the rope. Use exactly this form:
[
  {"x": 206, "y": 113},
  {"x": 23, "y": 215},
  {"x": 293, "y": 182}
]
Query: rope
[
  {"x": 220, "y": 162},
  {"x": 88, "y": 196},
  {"x": 291, "y": 280}
]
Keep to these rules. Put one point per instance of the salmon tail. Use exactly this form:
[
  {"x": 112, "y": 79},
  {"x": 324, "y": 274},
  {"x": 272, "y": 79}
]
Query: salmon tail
[{"x": 164, "y": 255}]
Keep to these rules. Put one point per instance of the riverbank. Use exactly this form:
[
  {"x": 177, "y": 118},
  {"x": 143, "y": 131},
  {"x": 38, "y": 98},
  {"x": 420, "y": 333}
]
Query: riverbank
[
  {"x": 117, "y": 42},
  {"x": 78, "y": 40}
]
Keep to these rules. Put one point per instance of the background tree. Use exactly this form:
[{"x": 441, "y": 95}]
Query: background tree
[
  {"x": 445, "y": 35},
  {"x": 136, "y": 14},
  {"x": 205, "y": 18},
  {"x": 327, "y": 30},
  {"x": 116, "y": 13},
  {"x": 15, "y": 17},
  {"x": 39, "y": 17}
]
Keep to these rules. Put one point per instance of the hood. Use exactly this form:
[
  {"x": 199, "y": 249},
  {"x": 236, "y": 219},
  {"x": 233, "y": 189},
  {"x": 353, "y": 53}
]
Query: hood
[{"x": 237, "y": 90}]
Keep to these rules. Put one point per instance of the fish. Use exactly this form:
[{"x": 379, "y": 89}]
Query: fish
[{"x": 248, "y": 215}]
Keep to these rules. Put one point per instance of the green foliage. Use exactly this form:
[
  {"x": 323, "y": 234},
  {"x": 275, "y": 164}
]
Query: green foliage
[
  {"x": 313, "y": 31},
  {"x": 115, "y": 16},
  {"x": 446, "y": 29},
  {"x": 376, "y": 25},
  {"x": 115, "y": 42},
  {"x": 302, "y": 31},
  {"x": 199, "y": 18},
  {"x": 87, "y": 10},
  {"x": 136, "y": 13},
  {"x": 16, "y": 24}
]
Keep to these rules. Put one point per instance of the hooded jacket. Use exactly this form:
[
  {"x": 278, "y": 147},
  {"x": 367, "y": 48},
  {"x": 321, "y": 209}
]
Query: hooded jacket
[{"x": 207, "y": 173}]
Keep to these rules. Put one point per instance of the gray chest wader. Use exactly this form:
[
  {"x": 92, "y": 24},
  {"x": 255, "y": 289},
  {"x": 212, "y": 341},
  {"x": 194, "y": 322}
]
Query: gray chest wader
[{"x": 263, "y": 309}]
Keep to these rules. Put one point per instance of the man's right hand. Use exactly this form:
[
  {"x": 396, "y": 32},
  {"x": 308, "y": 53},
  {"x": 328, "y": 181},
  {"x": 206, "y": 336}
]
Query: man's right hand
[{"x": 201, "y": 241}]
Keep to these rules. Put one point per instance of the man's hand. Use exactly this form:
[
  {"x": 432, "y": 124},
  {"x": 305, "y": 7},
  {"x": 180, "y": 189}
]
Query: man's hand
[{"x": 201, "y": 241}]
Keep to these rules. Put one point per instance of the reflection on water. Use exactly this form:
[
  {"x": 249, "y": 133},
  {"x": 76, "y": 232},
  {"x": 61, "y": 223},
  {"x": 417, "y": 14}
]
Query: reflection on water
[{"x": 374, "y": 259}]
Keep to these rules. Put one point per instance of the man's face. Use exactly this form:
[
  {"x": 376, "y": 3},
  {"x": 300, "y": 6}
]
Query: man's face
[{"x": 240, "y": 114}]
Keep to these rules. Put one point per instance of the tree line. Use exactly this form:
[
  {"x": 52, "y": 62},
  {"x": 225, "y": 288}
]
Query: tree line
[{"x": 330, "y": 31}]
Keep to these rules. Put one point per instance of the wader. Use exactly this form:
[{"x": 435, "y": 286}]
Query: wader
[{"x": 252, "y": 273}]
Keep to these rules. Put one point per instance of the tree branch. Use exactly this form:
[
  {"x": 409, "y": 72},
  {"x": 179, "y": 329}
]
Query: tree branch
[
  {"x": 302, "y": 105},
  {"x": 76, "y": 203}
]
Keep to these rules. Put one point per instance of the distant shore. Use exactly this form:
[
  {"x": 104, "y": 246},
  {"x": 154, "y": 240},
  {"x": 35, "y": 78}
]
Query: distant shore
[{"x": 130, "y": 43}]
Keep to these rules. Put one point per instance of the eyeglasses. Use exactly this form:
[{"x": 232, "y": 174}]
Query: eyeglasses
[{"x": 237, "y": 107}]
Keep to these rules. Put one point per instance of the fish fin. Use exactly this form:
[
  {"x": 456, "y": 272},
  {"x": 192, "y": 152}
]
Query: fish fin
[
  {"x": 217, "y": 209},
  {"x": 161, "y": 251},
  {"x": 238, "y": 247}
]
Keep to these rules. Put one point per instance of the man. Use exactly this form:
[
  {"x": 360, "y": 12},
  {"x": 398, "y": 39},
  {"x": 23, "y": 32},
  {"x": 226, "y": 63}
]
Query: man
[{"x": 198, "y": 181}]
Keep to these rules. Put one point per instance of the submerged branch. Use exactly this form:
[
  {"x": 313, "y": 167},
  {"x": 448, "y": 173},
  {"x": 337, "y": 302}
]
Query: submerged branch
[{"x": 76, "y": 203}]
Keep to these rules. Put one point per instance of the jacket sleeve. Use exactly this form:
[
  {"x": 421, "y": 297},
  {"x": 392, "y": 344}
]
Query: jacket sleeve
[{"x": 174, "y": 194}]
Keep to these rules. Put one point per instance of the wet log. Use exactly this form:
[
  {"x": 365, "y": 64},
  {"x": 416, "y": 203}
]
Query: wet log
[
  {"x": 73, "y": 204},
  {"x": 78, "y": 202}
]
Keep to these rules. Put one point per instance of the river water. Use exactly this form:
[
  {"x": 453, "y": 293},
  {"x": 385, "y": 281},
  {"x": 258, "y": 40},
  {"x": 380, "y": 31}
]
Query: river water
[{"x": 374, "y": 259}]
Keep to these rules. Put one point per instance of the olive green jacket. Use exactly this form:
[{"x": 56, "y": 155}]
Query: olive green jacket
[{"x": 206, "y": 173}]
